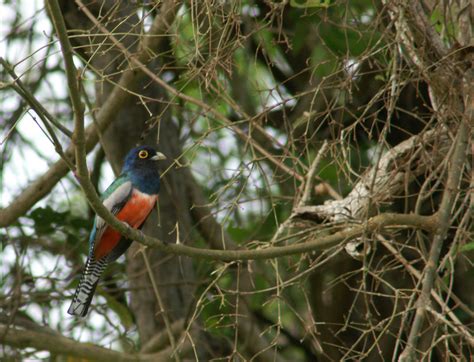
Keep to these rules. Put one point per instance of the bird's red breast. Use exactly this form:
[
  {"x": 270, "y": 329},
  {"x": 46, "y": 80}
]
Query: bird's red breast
[{"x": 134, "y": 213}]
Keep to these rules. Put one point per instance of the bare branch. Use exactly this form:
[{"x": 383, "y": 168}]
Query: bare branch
[
  {"x": 58, "y": 344},
  {"x": 136, "y": 61},
  {"x": 163, "y": 312},
  {"x": 398, "y": 166},
  {"x": 378, "y": 222},
  {"x": 306, "y": 191},
  {"x": 106, "y": 115},
  {"x": 43, "y": 114},
  {"x": 456, "y": 323},
  {"x": 444, "y": 213},
  {"x": 33, "y": 102}
]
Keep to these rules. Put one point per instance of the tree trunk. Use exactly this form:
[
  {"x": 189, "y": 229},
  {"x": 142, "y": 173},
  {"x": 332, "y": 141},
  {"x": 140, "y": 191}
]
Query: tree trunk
[{"x": 172, "y": 274}]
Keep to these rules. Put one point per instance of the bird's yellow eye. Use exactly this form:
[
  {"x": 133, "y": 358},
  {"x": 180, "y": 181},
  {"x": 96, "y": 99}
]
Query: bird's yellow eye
[{"x": 143, "y": 154}]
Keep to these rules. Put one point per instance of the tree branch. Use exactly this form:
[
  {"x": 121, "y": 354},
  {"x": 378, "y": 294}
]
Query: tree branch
[
  {"x": 378, "y": 222},
  {"x": 58, "y": 344},
  {"x": 458, "y": 159},
  {"x": 218, "y": 238},
  {"x": 116, "y": 100},
  {"x": 137, "y": 62},
  {"x": 456, "y": 324},
  {"x": 32, "y": 101},
  {"x": 401, "y": 164},
  {"x": 424, "y": 33},
  {"x": 304, "y": 194},
  {"x": 72, "y": 80},
  {"x": 43, "y": 114}
]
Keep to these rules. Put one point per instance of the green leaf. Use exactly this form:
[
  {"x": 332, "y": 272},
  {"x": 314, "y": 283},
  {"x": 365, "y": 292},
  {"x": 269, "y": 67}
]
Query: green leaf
[
  {"x": 467, "y": 247},
  {"x": 121, "y": 310},
  {"x": 46, "y": 219},
  {"x": 310, "y": 3}
]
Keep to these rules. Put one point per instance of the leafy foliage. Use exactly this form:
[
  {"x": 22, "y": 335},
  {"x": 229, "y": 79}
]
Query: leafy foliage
[{"x": 290, "y": 88}]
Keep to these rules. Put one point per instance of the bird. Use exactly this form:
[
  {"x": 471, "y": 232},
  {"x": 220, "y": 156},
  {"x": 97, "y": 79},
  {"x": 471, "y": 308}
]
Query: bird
[{"x": 131, "y": 198}]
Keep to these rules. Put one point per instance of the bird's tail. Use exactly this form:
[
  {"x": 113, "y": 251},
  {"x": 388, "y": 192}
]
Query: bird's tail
[{"x": 86, "y": 288}]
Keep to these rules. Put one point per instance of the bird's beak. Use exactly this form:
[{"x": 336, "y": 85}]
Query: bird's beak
[{"x": 159, "y": 156}]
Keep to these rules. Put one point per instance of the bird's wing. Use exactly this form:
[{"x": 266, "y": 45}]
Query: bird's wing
[{"x": 114, "y": 199}]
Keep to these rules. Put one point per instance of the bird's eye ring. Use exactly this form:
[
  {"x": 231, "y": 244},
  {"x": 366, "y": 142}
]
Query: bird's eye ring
[{"x": 143, "y": 154}]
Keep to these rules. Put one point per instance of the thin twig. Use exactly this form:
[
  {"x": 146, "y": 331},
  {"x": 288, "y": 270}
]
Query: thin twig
[
  {"x": 306, "y": 194},
  {"x": 43, "y": 114},
  {"x": 137, "y": 62},
  {"x": 456, "y": 325},
  {"x": 161, "y": 305},
  {"x": 444, "y": 221},
  {"x": 107, "y": 113},
  {"x": 311, "y": 173},
  {"x": 32, "y": 101}
]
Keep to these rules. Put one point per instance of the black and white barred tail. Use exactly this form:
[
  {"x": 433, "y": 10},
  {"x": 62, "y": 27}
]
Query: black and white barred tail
[{"x": 86, "y": 288}]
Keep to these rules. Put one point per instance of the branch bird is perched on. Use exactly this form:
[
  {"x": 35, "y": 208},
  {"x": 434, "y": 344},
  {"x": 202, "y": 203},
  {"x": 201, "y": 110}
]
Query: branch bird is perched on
[{"x": 131, "y": 197}]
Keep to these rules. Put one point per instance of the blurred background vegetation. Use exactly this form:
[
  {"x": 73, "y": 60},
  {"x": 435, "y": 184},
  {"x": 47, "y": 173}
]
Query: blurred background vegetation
[{"x": 288, "y": 86}]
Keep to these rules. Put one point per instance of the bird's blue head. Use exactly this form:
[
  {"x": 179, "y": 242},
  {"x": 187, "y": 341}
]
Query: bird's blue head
[{"x": 141, "y": 167}]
